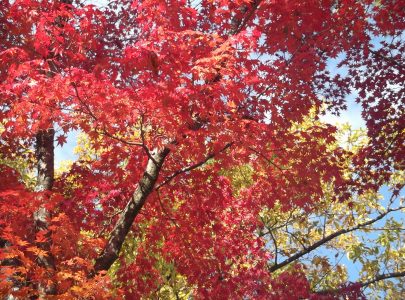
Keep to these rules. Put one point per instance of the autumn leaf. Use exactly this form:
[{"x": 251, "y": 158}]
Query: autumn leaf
[
  {"x": 209, "y": 163},
  {"x": 61, "y": 139}
]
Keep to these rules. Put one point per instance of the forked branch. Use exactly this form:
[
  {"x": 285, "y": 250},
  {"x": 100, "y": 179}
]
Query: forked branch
[
  {"x": 330, "y": 237},
  {"x": 365, "y": 284}
]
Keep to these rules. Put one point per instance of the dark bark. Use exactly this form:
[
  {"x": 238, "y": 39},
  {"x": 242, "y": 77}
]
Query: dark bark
[
  {"x": 44, "y": 152},
  {"x": 45, "y": 159},
  {"x": 117, "y": 236}
]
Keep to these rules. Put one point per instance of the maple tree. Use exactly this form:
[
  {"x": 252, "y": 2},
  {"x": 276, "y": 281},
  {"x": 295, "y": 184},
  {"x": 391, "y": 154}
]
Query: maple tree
[{"x": 173, "y": 96}]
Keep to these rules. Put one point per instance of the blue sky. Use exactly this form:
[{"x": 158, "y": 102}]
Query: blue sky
[{"x": 66, "y": 152}]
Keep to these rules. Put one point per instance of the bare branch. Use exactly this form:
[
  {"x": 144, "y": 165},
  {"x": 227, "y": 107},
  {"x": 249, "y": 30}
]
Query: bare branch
[
  {"x": 382, "y": 277},
  {"x": 103, "y": 130},
  {"x": 173, "y": 220},
  {"x": 266, "y": 158},
  {"x": 239, "y": 25},
  {"x": 192, "y": 167},
  {"x": 365, "y": 284},
  {"x": 388, "y": 59},
  {"x": 330, "y": 237}
]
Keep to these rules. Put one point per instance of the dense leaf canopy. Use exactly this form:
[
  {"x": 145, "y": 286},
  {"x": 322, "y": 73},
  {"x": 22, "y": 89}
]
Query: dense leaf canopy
[{"x": 201, "y": 139}]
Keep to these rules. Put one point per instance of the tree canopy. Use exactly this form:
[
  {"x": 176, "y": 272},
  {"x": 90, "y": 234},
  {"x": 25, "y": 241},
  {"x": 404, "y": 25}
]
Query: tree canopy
[{"x": 204, "y": 169}]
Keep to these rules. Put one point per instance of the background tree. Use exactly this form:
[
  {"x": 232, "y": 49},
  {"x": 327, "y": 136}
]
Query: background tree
[{"x": 172, "y": 95}]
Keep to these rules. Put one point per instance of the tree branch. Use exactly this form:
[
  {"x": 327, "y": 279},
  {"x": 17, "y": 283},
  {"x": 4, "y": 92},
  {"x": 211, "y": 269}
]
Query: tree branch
[
  {"x": 248, "y": 14},
  {"x": 266, "y": 159},
  {"x": 117, "y": 236},
  {"x": 192, "y": 167},
  {"x": 330, "y": 237},
  {"x": 382, "y": 277},
  {"x": 103, "y": 130},
  {"x": 386, "y": 58},
  {"x": 365, "y": 284},
  {"x": 146, "y": 185}
]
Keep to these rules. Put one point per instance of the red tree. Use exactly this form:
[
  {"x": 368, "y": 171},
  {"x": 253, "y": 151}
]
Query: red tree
[{"x": 164, "y": 88}]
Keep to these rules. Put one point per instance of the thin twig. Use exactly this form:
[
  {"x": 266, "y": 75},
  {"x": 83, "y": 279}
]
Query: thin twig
[
  {"x": 192, "y": 167},
  {"x": 364, "y": 284},
  {"x": 267, "y": 159},
  {"x": 333, "y": 236}
]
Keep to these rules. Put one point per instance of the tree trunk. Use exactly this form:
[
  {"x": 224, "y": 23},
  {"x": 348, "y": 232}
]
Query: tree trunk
[
  {"x": 44, "y": 152},
  {"x": 45, "y": 159},
  {"x": 145, "y": 187}
]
